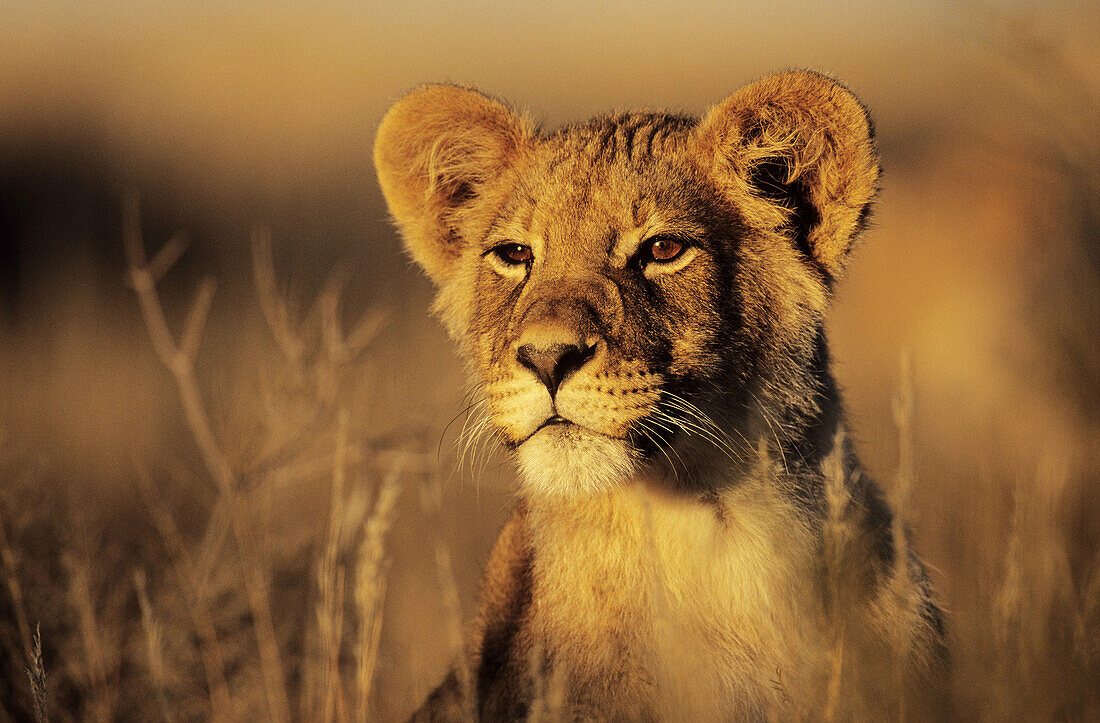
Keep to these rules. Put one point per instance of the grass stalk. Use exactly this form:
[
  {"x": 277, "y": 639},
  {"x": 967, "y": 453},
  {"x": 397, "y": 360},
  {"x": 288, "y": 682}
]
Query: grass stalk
[
  {"x": 36, "y": 673},
  {"x": 154, "y": 654},
  {"x": 370, "y": 590},
  {"x": 15, "y": 592}
]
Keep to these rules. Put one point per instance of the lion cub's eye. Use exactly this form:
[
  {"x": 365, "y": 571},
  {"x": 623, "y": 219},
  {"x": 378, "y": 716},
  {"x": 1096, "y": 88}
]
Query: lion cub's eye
[
  {"x": 662, "y": 249},
  {"x": 512, "y": 254}
]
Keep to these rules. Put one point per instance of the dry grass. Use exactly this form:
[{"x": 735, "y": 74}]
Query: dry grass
[
  {"x": 197, "y": 627},
  {"x": 239, "y": 618}
]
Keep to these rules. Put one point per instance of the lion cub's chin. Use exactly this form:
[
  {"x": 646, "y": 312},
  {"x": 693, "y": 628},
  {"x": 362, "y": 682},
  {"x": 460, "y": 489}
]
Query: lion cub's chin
[{"x": 566, "y": 460}]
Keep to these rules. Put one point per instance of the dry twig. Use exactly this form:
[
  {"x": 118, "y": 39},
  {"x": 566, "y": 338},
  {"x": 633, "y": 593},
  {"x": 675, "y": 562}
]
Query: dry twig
[{"x": 179, "y": 359}]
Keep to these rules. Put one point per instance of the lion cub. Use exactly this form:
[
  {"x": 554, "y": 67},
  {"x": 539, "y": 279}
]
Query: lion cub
[{"x": 641, "y": 299}]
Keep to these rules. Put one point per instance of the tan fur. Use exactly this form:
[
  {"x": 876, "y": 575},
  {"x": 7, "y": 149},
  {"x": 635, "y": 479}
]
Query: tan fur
[
  {"x": 695, "y": 538},
  {"x": 654, "y": 607}
]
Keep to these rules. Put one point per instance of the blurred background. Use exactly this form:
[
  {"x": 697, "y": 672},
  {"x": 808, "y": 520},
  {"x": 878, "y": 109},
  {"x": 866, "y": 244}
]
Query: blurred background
[{"x": 245, "y": 130}]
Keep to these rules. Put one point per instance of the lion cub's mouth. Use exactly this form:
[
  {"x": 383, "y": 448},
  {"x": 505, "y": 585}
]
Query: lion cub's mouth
[
  {"x": 551, "y": 421},
  {"x": 555, "y": 422}
]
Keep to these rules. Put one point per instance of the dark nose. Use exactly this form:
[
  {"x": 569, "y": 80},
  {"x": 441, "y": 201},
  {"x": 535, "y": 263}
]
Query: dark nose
[{"x": 554, "y": 362}]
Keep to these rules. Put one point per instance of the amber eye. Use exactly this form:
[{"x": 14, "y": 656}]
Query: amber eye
[
  {"x": 663, "y": 248},
  {"x": 513, "y": 254}
]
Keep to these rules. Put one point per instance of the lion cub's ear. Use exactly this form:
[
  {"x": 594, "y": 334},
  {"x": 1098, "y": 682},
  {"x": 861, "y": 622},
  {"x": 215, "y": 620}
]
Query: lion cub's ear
[
  {"x": 796, "y": 152},
  {"x": 435, "y": 152}
]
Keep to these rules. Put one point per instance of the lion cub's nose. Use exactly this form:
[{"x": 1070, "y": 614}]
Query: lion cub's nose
[{"x": 554, "y": 362}]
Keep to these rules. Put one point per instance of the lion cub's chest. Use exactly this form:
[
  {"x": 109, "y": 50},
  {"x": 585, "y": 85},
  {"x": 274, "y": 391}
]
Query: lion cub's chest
[{"x": 669, "y": 608}]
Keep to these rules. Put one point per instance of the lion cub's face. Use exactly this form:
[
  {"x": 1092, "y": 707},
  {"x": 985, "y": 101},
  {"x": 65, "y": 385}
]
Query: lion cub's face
[
  {"x": 627, "y": 289},
  {"x": 597, "y": 293}
]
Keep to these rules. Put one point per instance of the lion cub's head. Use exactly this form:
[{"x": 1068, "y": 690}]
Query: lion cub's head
[{"x": 639, "y": 293}]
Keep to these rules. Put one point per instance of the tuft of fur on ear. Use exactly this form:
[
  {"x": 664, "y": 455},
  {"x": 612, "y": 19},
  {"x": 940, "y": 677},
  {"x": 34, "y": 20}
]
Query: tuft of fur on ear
[
  {"x": 436, "y": 151},
  {"x": 796, "y": 152}
]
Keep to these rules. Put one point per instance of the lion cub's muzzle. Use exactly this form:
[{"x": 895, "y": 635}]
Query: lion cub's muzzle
[
  {"x": 557, "y": 335},
  {"x": 562, "y": 377}
]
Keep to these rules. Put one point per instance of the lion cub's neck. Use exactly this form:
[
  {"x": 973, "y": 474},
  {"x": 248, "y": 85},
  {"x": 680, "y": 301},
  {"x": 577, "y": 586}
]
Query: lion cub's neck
[{"x": 633, "y": 587}]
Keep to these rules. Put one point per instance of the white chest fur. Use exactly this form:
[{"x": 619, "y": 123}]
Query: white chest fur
[{"x": 662, "y": 606}]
